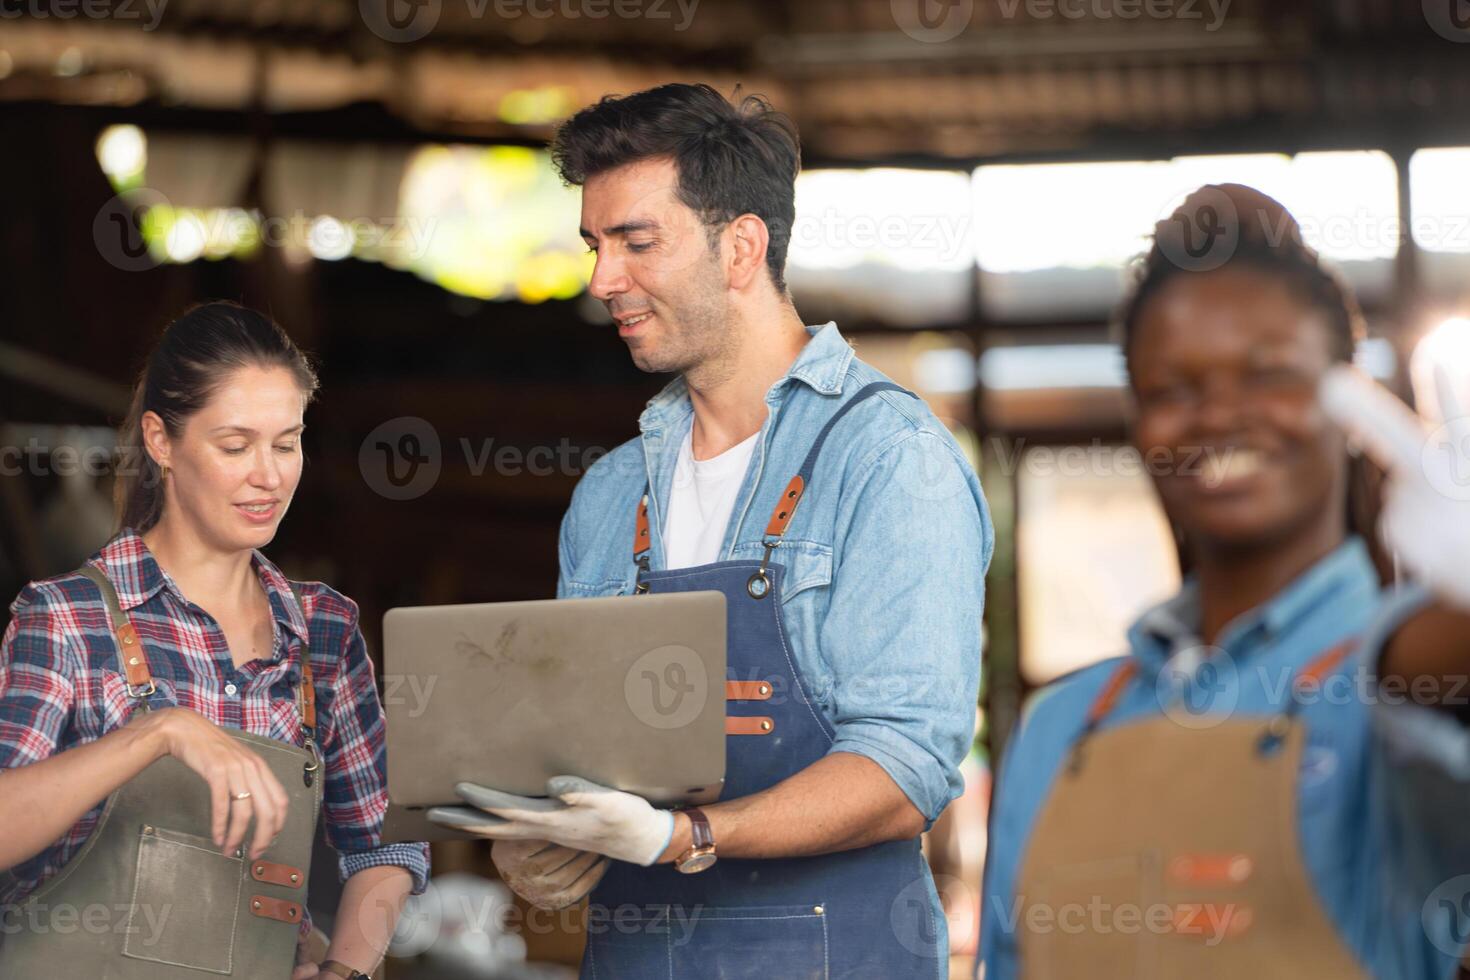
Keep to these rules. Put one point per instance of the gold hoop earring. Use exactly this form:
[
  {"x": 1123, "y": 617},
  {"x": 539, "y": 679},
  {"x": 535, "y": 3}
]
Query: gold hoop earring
[{"x": 164, "y": 468}]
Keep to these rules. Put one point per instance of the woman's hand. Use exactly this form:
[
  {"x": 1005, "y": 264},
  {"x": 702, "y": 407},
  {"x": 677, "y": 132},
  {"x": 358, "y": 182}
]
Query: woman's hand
[
  {"x": 306, "y": 967},
  {"x": 241, "y": 786}
]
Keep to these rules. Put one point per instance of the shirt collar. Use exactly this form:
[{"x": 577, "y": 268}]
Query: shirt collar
[
  {"x": 1175, "y": 622},
  {"x": 137, "y": 577},
  {"x": 822, "y": 364}
]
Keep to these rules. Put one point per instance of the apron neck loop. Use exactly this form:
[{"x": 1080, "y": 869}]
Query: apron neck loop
[
  {"x": 641, "y": 544},
  {"x": 136, "y": 672},
  {"x": 1101, "y": 707},
  {"x": 759, "y": 584},
  {"x": 1313, "y": 673},
  {"x": 306, "y": 696}
]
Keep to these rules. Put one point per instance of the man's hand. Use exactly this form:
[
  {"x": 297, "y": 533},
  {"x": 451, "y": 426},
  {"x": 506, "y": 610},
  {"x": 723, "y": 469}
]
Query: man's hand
[
  {"x": 1426, "y": 515},
  {"x": 579, "y": 814},
  {"x": 547, "y": 875}
]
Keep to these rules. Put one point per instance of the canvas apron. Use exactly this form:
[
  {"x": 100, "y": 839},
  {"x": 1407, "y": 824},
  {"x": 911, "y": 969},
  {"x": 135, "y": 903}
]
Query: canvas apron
[
  {"x": 149, "y": 896},
  {"x": 1166, "y": 851},
  {"x": 864, "y": 913}
]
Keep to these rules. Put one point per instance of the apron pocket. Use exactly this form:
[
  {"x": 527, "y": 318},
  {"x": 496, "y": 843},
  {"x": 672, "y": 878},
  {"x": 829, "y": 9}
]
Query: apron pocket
[
  {"x": 186, "y": 899},
  {"x": 691, "y": 941},
  {"x": 753, "y": 943}
]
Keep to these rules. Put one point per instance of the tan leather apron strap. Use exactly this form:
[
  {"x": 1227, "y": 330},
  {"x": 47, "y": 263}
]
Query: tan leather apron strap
[
  {"x": 277, "y": 874},
  {"x": 1312, "y": 673},
  {"x": 307, "y": 699},
  {"x": 1101, "y": 707},
  {"x": 129, "y": 647},
  {"x": 737, "y": 725},
  {"x": 747, "y": 690}
]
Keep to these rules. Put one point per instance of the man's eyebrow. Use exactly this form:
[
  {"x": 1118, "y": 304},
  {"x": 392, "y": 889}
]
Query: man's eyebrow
[
  {"x": 645, "y": 224},
  {"x": 245, "y": 430}
]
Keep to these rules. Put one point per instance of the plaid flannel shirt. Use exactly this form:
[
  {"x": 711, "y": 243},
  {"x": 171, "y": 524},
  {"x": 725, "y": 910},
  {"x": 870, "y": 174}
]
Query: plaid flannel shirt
[{"x": 61, "y": 686}]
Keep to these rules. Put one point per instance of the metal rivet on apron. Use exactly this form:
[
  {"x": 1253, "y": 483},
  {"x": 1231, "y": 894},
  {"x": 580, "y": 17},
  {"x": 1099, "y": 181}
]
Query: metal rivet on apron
[
  {"x": 818, "y": 910},
  {"x": 764, "y": 689},
  {"x": 306, "y": 777},
  {"x": 295, "y": 878},
  {"x": 260, "y": 869},
  {"x": 147, "y": 830},
  {"x": 128, "y": 641},
  {"x": 766, "y": 725},
  {"x": 255, "y": 905}
]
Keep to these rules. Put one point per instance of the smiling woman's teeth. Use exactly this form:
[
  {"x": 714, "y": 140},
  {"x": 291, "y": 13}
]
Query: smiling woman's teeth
[
  {"x": 1230, "y": 464},
  {"x": 257, "y": 508}
]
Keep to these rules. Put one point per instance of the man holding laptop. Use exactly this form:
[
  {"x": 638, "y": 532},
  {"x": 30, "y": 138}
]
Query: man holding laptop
[{"x": 849, "y": 538}]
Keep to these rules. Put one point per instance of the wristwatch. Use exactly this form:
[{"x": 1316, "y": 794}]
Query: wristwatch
[
  {"x": 701, "y": 852},
  {"x": 343, "y": 970}
]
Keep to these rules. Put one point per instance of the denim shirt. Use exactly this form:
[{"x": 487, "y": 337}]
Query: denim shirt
[
  {"x": 1383, "y": 789},
  {"x": 885, "y": 558}
]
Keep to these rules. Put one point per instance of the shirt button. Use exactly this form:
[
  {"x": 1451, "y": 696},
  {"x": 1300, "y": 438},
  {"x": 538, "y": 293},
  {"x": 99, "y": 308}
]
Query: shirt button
[{"x": 230, "y": 689}]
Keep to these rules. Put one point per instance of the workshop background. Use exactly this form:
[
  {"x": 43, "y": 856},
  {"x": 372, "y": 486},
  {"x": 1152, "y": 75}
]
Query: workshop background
[{"x": 977, "y": 176}]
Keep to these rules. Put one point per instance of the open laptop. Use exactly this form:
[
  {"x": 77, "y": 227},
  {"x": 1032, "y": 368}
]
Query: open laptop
[{"x": 627, "y": 691}]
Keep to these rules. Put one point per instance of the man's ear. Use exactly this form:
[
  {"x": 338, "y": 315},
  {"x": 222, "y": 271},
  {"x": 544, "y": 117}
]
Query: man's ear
[
  {"x": 155, "y": 438},
  {"x": 749, "y": 238}
]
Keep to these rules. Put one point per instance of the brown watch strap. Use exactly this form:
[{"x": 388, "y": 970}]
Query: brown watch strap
[
  {"x": 700, "y": 832},
  {"x": 338, "y": 968}
]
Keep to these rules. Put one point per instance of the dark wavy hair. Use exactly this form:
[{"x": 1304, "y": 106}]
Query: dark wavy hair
[
  {"x": 733, "y": 158},
  {"x": 1254, "y": 230},
  {"x": 195, "y": 355}
]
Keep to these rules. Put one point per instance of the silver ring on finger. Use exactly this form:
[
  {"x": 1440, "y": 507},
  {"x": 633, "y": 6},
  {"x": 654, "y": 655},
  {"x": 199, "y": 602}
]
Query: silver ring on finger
[{"x": 242, "y": 796}]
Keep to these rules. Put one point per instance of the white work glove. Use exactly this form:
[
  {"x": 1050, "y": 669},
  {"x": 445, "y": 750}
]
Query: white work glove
[
  {"x": 547, "y": 875},
  {"x": 1426, "y": 515},
  {"x": 579, "y": 814}
]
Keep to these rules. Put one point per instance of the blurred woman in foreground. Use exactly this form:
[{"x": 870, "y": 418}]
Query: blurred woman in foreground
[{"x": 1274, "y": 781}]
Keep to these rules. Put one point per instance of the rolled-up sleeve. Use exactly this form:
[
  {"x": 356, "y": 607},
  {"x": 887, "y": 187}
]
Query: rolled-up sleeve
[
  {"x": 902, "y": 633},
  {"x": 36, "y": 690},
  {"x": 1423, "y": 755},
  {"x": 356, "y": 794}
]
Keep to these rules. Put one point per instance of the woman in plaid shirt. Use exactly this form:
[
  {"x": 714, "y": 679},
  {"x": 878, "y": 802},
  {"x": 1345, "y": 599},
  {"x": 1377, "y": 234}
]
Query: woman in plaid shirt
[{"x": 210, "y": 459}]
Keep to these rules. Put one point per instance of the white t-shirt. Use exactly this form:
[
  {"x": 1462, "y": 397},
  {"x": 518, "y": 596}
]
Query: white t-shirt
[{"x": 702, "y": 501}]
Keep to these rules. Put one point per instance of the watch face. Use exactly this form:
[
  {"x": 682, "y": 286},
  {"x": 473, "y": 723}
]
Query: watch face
[{"x": 698, "y": 862}]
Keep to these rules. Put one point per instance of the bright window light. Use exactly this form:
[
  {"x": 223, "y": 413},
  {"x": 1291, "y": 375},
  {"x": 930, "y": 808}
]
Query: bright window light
[
  {"x": 906, "y": 219},
  {"x": 1441, "y": 196},
  {"x": 1098, "y": 215}
]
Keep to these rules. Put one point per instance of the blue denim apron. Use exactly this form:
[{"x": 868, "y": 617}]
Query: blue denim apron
[{"x": 864, "y": 913}]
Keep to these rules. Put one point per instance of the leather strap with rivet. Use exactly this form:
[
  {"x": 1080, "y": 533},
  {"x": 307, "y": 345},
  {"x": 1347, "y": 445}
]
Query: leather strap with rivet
[{"x": 280, "y": 909}]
